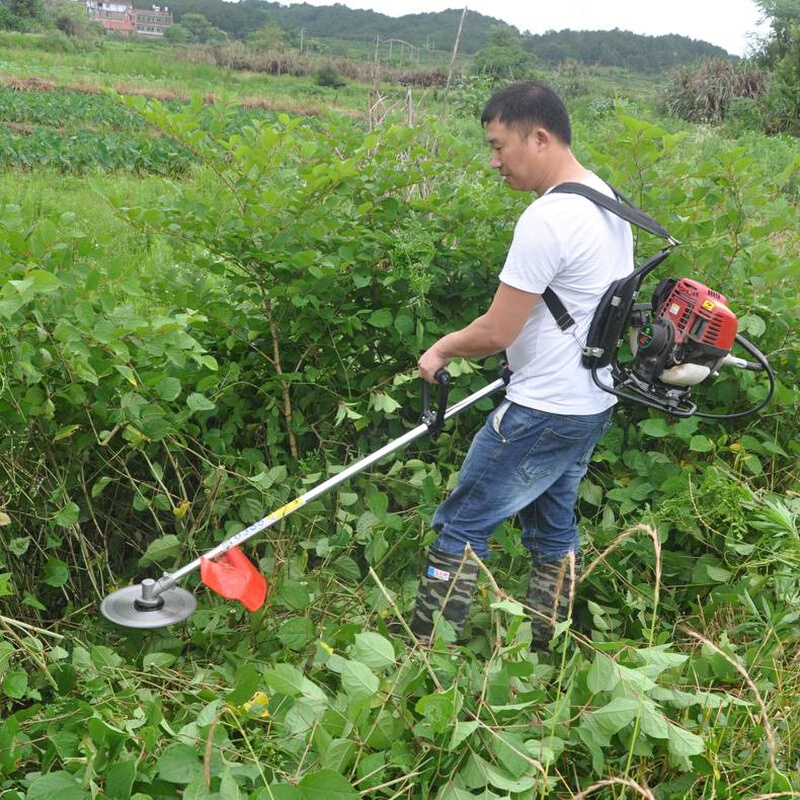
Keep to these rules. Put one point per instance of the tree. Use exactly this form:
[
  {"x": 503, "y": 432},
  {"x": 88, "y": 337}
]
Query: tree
[
  {"x": 504, "y": 56},
  {"x": 71, "y": 19},
  {"x": 201, "y": 31},
  {"x": 780, "y": 53},
  {"x": 25, "y": 15},
  {"x": 268, "y": 37},
  {"x": 176, "y": 34}
]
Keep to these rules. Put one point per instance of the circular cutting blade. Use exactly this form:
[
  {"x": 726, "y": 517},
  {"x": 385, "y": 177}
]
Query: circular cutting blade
[{"x": 119, "y": 607}]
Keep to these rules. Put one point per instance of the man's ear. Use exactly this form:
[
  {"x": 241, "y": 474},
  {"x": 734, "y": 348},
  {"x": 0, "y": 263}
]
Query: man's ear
[{"x": 541, "y": 137}]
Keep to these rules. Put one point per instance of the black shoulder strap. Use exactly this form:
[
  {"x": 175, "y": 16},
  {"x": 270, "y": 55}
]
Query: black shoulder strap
[{"x": 626, "y": 210}]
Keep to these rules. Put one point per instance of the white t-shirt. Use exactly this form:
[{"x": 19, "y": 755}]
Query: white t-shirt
[{"x": 578, "y": 249}]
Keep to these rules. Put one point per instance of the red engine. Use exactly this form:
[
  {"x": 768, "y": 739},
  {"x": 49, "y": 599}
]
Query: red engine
[
  {"x": 692, "y": 329},
  {"x": 699, "y": 315}
]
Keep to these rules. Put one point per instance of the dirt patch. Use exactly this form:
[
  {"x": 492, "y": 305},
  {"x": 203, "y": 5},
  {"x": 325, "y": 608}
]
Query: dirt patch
[
  {"x": 19, "y": 127},
  {"x": 268, "y": 104},
  {"x": 28, "y": 84}
]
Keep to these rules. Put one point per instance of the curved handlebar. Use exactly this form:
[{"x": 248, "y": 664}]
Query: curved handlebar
[{"x": 435, "y": 422}]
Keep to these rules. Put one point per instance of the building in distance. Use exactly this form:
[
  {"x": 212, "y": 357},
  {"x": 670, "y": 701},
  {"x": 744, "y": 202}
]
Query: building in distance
[{"x": 123, "y": 18}]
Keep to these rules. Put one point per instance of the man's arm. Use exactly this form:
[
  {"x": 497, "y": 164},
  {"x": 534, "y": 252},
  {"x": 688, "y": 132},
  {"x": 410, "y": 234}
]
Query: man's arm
[{"x": 488, "y": 334}]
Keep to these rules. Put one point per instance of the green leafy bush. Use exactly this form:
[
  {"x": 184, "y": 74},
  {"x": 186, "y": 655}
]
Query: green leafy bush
[{"x": 328, "y": 76}]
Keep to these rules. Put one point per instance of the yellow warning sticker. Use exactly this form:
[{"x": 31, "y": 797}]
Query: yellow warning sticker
[
  {"x": 288, "y": 508},
  {"x": 708, "y": 305}
]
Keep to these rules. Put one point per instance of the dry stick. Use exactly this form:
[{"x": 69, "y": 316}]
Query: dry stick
[
  {"x": 771, "y": 744},
  {"x": 453, "y": 57},
  {"x": 644, "y": 792},
  {"x": 396, "y": 610},
  {"x": 287, "y": 401},
  {"x": 373, "y": 789},
  {"x": 209, "y": 748},
  {"x": 653, "y": 534},
  {"x": 12, "y": 634},
  {"x": 374, "y": 95},
  {"x": 499, "y": 593},
  {"x": 28, "y": 627}
]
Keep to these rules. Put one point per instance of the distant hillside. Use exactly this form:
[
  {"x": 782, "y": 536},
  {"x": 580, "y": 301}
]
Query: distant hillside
[
  {"x": 437, "y": 31},
  {"x": 618, "y": 48}
]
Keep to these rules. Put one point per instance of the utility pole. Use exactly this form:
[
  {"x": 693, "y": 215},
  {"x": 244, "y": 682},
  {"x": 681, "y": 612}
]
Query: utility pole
[{"x": 302, "y": 30}]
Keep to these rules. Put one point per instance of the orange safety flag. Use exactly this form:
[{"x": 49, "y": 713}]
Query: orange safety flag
[{"x": 233, "y": 576}]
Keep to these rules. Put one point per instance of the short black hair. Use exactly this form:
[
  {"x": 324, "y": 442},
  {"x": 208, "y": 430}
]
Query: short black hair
[{"x": 529, "y": 103}]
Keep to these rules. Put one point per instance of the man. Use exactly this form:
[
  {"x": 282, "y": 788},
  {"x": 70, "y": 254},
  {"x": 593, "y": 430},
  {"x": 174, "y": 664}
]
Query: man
[{"x": 531, "y": 454}]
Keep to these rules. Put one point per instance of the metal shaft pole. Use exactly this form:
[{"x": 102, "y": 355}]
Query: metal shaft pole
[{"x": 170, "y": 579}]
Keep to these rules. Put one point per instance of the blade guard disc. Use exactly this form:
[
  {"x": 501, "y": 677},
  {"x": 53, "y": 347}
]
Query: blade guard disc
[{"x": 120, "y": 607}]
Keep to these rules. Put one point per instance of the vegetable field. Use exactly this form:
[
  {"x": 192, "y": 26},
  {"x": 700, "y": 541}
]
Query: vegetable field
[{"x": 207, "y": 346}]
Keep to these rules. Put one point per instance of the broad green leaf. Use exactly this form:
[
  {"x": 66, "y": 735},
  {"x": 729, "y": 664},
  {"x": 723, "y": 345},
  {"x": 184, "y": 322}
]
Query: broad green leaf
[
  {"x": 286, "y": 679},
  {"x": 655, "y": 427},
  {"x": 381, "y": 318},
  {"x": 162, "y": 548},
  {"x": 358, "y": 680},
  {"x": 119, "y": 778},
  {"x": 701, "y": 444},
  {"x": 603, "y": 675},
  {"x": 440, "y": 708},
  {"x": 279, "y": 791},
  {"x": 56, "y": 572},
  {"x": 163, "y": 660},
  {"x": 501, "y": 779},
  {"x": 103, "y": 733},
  {"x": 462, "y": 730},
  {"x": 294, "y": 595},
  {"x": 296, "y": 633},
  {"x": 373, "y": 650},
  {"x": 65, "y": 432},
  {"x": 683, "y": 742},
  {"x": 61, "y": 785},
  {"x": 20, "y": 545},
  {"x": 326, "y": 784},
  {"x": 179, "y": 763},
  {"x": 752, "y": 324},
  {"x": 510, "y": 606},
  {"x": 653, "y": 721},
  {"x": 635, "y": 678},
  {"x": 615, "y": 715},
  {"x": 15, "y": 684},
  {"x": 68, "y": 515},
  {"x": 199, "y": 402},
  {"x": 168, "y": 388},
  {"x": 340, "y": 755},
  {"x": 127, "y": 373},
  {"x": 509, "y": 749},
  {"x": 246, "y": 683},
  {"x": 44, "y": 281},
  {"x": 228, "y": 788}
]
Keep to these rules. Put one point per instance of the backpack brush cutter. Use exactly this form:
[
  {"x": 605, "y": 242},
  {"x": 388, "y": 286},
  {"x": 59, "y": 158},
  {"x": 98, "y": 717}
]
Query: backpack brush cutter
[{"x": 683, "y": 337}]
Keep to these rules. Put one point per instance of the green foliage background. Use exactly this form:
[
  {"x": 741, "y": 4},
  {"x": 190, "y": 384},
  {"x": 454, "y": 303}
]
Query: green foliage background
[{"x": 181, "y": 356}]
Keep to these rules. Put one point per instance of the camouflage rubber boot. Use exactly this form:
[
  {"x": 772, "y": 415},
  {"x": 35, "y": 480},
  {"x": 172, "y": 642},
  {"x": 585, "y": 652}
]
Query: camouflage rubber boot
[
  {"x": 446, "y": 586},
  {"x": 550, "y": 593}
]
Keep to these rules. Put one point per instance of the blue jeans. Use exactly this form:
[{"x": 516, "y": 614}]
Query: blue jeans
[{"x": 523, "y": 462}]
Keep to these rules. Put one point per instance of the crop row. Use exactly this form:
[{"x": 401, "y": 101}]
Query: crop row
[
  {"x": 98, "y": 111},
  {"x": 84, "y": 150}
]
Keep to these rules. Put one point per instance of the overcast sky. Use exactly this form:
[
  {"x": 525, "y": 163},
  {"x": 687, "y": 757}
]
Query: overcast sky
[{"x": 727, "y": 23}]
